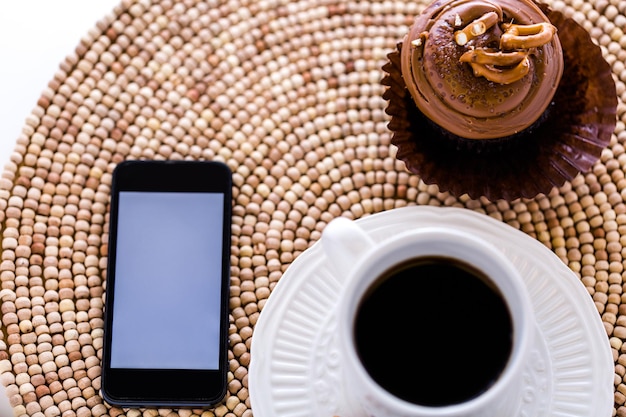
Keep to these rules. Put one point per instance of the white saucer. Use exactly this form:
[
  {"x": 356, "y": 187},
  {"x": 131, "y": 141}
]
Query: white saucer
[{"x": 296, "y": 368}]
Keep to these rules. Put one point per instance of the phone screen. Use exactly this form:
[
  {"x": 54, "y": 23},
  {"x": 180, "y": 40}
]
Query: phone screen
[{"x": 168, "y": 280}]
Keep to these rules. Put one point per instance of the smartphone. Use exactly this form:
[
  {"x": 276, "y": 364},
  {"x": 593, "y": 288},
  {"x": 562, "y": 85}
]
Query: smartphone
[{"x": 167, "y": 284}]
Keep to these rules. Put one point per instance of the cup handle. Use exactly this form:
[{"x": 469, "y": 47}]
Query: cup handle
[{"x": 344, "y": 242}]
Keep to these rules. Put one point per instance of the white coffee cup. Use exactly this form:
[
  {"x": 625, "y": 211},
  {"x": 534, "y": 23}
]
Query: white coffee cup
[{"x": 361, "y": 261}]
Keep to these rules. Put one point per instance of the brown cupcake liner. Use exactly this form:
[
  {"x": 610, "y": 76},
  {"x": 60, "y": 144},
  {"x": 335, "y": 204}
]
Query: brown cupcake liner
[{"x": 567, "y": 140}]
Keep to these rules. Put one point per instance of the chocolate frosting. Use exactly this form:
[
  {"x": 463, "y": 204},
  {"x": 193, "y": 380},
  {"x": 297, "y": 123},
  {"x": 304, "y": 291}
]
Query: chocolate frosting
[{"x": 452, "y": 95}]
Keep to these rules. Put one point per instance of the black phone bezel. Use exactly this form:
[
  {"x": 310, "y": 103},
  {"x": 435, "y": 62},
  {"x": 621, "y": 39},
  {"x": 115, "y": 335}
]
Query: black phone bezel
[{"x": 167, "y": 387}]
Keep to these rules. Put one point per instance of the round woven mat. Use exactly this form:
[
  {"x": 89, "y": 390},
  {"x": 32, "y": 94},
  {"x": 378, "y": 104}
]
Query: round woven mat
[{"x": 288, "y": 94}]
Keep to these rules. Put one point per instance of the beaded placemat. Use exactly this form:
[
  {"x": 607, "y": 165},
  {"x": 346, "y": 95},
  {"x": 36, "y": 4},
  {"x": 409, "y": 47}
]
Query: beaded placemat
[{"x": 288, "y": 94}]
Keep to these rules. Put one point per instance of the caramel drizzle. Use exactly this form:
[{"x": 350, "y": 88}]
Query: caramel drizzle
[{"x": 511, "y": 62}]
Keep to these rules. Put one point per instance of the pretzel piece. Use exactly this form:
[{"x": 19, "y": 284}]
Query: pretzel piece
[
  {"x": 499, "y": 75},
  {"x": 476, "y": 28},
  {"x": 526, "y": 36},
  {"x": 493, "y": 57}
]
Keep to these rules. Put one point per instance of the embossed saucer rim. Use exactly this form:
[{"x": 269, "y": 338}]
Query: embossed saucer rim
[{"x": 295, "y": 368}]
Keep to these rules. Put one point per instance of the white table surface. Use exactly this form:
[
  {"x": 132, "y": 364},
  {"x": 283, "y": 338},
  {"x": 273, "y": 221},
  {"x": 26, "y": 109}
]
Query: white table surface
[{"x": 35, "y": 37}]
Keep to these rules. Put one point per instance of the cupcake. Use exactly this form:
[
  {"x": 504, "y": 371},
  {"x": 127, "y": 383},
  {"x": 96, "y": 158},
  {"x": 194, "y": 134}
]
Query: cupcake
[{"x": 501, "y": 98}]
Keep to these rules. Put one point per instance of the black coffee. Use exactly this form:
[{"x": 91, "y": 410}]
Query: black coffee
[{"x": 434, "y": 332}]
